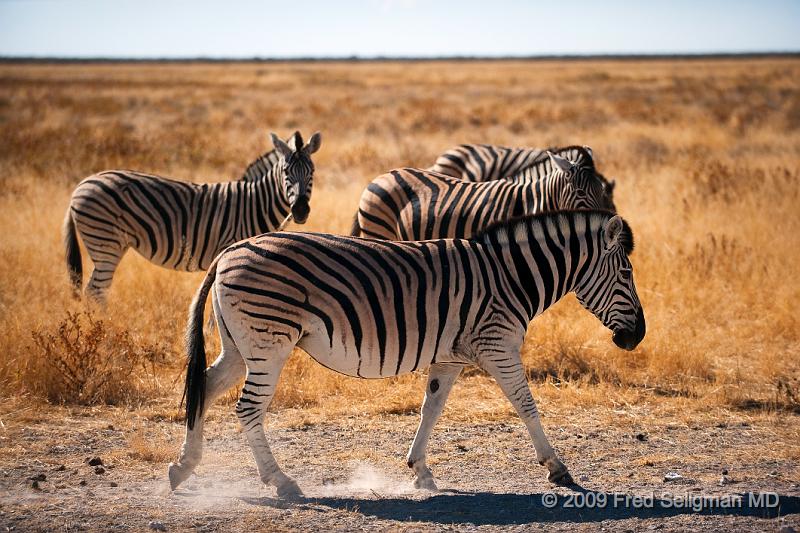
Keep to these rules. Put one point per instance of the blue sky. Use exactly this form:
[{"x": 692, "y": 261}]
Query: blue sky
[{"x": 246, "y": 28}]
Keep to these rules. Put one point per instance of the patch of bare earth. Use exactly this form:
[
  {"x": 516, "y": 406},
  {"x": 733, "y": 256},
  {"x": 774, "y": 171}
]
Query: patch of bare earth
[{"x": 352, "y": 470}]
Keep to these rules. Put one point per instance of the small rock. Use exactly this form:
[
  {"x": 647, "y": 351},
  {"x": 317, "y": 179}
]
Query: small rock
[
  {"x": 38, "y": 477},
  {"x": 94, "y": 461},
  {"x": 641, "y": 437},
  {"x": 99, "y": 470},
  {"x": 725, "y": 480},
  {"x": 774, "y": 473},
  {"x": 724, "y": 471},
  {"x": 82, "y": 483},
  {"x": 157, "y": 526},
  {"x": 328, "y": 481},
  {"x": 583, "y": 477},
  {"x": 60, "y": 468},
  {"x": 110, "y": 427},
  {"x": 461, "y": 448},
  {"x": 35, "y": 485},
  {"x": 672, "y": 476},
  {"x": 113, "y": 484}
]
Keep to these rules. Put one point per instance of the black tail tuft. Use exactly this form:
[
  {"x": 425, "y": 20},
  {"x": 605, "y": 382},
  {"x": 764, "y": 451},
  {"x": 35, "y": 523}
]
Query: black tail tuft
[
  {"x": 355, "y": 230},
  {"x": 73, "y": 253},
  {"x": 195, "y": 389}
]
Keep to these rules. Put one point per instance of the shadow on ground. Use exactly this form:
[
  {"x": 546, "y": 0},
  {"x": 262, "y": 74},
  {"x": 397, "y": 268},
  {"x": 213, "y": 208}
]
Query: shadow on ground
[{"x": 483, "y": 508}]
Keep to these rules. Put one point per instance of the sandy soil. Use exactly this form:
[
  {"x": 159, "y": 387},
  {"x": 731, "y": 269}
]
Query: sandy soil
[{"x": 352, "y": 471}]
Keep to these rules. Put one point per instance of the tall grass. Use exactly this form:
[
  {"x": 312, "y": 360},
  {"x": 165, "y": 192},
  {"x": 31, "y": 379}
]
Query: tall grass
[{"x": 706, "y": 155}]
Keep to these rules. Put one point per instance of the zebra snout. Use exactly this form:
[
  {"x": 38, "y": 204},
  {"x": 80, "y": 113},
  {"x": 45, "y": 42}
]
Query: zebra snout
[
  {"x": 300, "y": 210},
  {"x": 628, "y": 339}
]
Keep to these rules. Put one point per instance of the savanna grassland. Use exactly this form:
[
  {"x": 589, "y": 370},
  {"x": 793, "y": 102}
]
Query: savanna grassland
[{"x": 706, "y": 158}]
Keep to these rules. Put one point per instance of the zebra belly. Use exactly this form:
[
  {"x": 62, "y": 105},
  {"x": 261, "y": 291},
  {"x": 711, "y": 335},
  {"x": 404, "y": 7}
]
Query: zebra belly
[{"x": 341, "y": 355}]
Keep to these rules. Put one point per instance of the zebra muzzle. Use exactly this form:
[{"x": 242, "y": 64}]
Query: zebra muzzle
[
  {"x": 628, "y": 339},
  {"x": 300, "y": 210}
]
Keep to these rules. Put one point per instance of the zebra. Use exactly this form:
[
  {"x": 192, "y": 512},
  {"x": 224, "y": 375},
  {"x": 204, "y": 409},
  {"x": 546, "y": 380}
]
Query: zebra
[
  {"x": 488, "y": 162},
  {"x": 373, "y": 308},
  {"x": 413, "y": 204},
  {"x": 182, "y": 225}
]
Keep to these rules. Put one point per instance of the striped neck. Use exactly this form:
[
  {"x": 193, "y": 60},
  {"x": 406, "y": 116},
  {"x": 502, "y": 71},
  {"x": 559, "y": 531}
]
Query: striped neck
[
  {"x": 267, "y": 203},
  {"x": 544, "y": 257}
]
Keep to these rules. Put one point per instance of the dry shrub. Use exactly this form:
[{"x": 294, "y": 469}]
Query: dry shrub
[{"x": 87, "y": 361}]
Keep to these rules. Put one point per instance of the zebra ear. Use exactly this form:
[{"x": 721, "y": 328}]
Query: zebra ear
[
  {"x": 313, "y": 143},
  {"x": 559, "y": 162},
  {"x": 589, "y": 151},
  {"x": 612, "y": 231},
  {"x": 280, "y": 146}
]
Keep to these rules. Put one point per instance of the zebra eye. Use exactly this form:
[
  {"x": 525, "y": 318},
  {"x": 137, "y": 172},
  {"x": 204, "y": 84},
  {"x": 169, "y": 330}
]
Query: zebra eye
[{"x": 625, "y": 273}]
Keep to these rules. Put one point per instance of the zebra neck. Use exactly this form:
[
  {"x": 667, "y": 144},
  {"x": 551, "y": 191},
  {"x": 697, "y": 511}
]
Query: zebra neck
[
  {"x": 540, "y": 264},
  {"x": 267, "y": 202}
]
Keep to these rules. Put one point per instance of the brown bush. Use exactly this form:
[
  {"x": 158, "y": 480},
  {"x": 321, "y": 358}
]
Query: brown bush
[{"x": 87, "y": 361}]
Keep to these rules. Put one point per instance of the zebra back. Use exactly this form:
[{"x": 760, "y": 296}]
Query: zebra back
[
  {"x": 413, "y": 204},
  {"x": 488, "y": 162}
]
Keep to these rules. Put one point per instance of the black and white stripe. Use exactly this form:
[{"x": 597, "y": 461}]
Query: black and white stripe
[
  {"x": 373, "y": 309},
  {"x": 182, "y": 225},
  {"x": 488, "y": 162},
  {"x": 413, "y": 204}
]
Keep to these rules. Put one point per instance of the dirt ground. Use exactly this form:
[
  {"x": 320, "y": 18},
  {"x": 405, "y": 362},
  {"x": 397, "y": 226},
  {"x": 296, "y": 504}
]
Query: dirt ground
[{"x": 352, "y": 471}]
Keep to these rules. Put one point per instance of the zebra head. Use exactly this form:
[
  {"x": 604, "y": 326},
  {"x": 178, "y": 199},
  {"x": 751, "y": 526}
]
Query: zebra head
[
  {"x": 608, "y": 291},
  {"x": 297, "y": 171},
  {"x": 577, "y": 184}
]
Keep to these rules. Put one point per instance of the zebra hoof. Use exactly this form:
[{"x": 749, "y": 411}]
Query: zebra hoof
[
  {"x": 425, "y": 483},
  {"x": 290, "y": 491},
  {"x": 561, "y": 477},
  {"x": 177, "y": 475}
]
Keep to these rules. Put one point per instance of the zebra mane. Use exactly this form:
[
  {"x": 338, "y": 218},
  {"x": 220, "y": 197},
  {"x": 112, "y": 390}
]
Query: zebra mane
[
  {"x": 511, "y": 226},
  {"x": 262, "y": 164}
]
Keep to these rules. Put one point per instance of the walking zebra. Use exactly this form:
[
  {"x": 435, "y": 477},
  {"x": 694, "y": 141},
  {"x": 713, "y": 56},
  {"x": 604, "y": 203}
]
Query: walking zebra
[
  {"x": 373, "y": 308},
  {"x": 413, "y": 204},
  {"x": 182, "y": 225},
  {"x": 488, "y": 162}
]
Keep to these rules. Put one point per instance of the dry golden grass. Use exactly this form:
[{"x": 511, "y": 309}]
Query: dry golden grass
[{"x": 706, "y": 155}]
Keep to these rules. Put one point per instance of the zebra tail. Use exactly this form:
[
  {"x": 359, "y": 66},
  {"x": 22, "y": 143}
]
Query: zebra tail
[
  {"x": 355, "y": 230},
  {"x": 195, "y": 389},
  {"x": 73, "y": 253}
]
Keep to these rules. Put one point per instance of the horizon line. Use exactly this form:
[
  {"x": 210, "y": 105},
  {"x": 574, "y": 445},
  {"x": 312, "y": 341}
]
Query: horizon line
[{"x": 398, "y": 58}]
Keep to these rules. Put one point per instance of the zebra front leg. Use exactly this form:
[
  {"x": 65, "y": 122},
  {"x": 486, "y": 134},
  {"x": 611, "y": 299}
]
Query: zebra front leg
[
  {"x": 441, "y": 378},
  {"x": 263, "y": 371},
  {"x": 220, "y": 376},
  {"x": 507, "y": 370}
]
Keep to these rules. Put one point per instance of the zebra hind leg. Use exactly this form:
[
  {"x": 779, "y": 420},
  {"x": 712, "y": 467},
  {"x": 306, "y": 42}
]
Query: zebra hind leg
[
  {"x": 441, "y": 378},
  {"x": 105, "y": 264},
  {"x": 223, "y": 374},
  {"x": 263, "y": 370}
]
